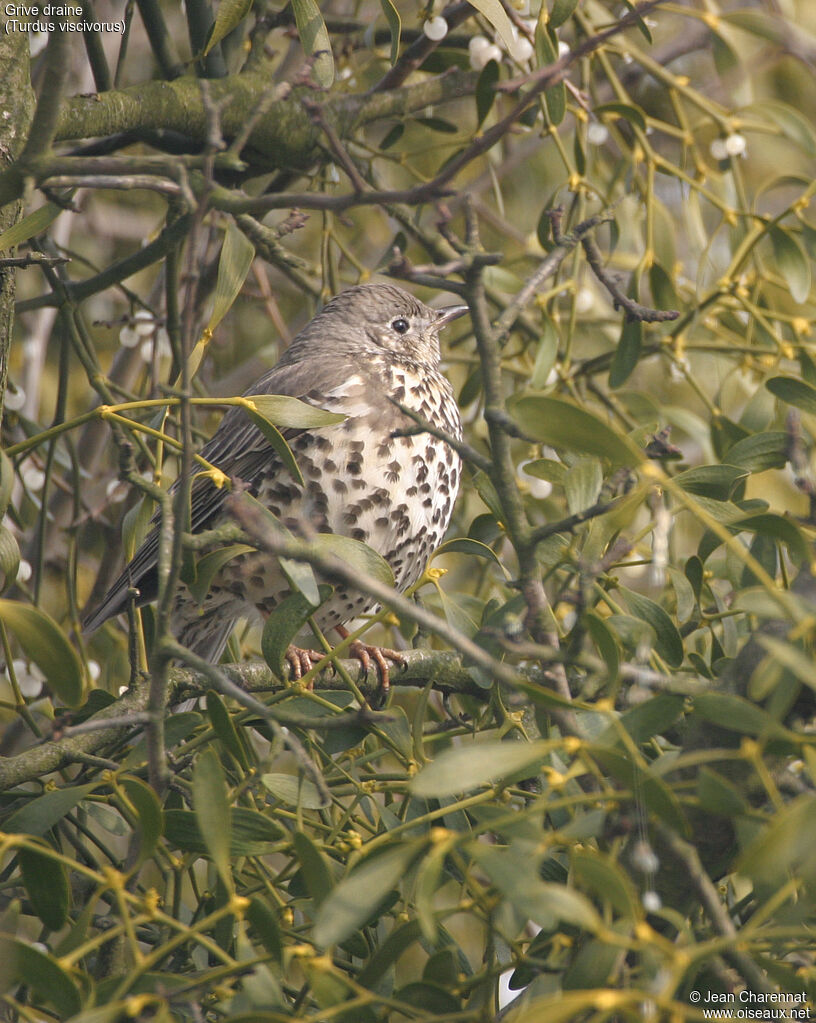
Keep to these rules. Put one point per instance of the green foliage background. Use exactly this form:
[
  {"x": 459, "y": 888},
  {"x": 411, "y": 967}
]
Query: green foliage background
[{"x": 595, "y": 777}]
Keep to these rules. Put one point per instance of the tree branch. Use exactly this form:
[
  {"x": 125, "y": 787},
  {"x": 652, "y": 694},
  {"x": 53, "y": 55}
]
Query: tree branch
[
  {"x": 445, "y": 668},
  {"x": 284, "y": 137}
]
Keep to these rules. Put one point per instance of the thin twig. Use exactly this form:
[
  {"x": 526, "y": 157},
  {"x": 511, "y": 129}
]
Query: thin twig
[
  {"x": 571, "y": 522},
  {"x": 268, "y": 246},
  {"x": 337, "y": 148},
  {"x": 33, "y": 259},
  {"x": 122, "y": 182},
  {"x": 462, "y": 448},
  {"x": 634, "y": 310},
  {"x": 68, "y": 731},
  {"x": 237, "y": 202},
  {"x": 175, "y": 506},
  {"x": 548, "y": 266},
  {"x": 93, "y": 47},
  {"x": 433, "y": 275}
]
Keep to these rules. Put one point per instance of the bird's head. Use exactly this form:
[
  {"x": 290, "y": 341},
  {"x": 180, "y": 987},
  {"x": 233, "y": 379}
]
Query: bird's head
[{"x": 373, "y": 319}]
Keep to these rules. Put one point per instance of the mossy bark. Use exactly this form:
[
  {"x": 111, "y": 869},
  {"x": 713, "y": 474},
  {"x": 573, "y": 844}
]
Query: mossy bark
[{"x": 285, "y": 138}]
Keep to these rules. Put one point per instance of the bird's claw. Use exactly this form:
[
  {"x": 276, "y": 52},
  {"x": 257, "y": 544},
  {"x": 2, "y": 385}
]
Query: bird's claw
[
  {"x": 302, "y": 661},
  {"x": 380, "y": 655}
]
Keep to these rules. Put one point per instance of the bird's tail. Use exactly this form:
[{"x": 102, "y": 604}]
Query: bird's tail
[
  {"x": 113, "y": 603},
  {"x": 207, "y": 635}
]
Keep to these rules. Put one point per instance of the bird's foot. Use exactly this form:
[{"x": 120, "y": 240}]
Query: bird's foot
[
  {"x": 301, "y": 661},
  {"x": 380, "y": 655}
]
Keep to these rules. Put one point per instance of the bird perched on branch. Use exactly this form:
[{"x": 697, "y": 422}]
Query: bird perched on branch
[{"x": 371, "y": 347}]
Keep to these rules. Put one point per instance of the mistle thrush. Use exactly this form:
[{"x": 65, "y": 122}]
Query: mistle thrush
[{"x": 369, "y": 347}]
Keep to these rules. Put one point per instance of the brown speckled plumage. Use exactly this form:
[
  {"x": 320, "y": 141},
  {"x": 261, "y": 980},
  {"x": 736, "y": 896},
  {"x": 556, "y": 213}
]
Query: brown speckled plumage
[{"x": 396, "y": 494}]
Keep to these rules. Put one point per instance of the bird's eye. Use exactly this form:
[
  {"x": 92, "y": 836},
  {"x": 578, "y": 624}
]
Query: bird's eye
[{"x": 400, "y": 325}]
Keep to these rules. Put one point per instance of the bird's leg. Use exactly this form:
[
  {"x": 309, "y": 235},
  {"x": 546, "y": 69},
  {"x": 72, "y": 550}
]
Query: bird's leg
[
  {"x": 380, "y": 655},
  {"x": 302, "y": 661}
]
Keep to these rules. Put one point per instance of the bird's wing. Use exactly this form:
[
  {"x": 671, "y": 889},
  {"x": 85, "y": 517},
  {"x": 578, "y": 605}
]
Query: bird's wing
[{"x": 242, "y": 452}]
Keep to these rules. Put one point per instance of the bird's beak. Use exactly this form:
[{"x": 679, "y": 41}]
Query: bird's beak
[{"x": 448, "y": 313}]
